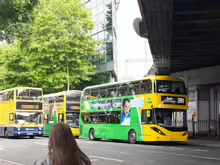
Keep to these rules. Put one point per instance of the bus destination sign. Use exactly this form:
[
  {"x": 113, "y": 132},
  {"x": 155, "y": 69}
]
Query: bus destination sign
[
  {"x": 29, "y": 106},
  {"x": 173, "y": 100}
]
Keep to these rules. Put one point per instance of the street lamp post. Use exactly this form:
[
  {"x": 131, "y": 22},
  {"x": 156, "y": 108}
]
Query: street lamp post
[{"x": 67, "y": 71}]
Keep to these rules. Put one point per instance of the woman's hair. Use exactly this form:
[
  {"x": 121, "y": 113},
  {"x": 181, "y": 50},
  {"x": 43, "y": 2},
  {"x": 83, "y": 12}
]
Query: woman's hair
[{"x": 63, "y": 149}]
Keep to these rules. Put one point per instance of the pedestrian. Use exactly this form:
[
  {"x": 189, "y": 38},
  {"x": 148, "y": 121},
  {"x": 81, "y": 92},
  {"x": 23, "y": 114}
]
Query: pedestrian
[{"x": 63, "y": 149}]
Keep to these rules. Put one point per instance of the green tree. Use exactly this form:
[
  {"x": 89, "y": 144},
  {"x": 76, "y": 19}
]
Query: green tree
[
  {"x": 60, "y": 39},
  {"x": 13, "y": 14},
  {"x": 14, "y": 71}
]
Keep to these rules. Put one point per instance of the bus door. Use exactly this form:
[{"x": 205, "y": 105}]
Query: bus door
[
  {"x": 60, "y": 117},
  {"x": 46, "y": 118}
]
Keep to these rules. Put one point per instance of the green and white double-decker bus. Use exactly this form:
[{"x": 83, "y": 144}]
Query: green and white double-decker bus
[{"x": 152, "y": 109}]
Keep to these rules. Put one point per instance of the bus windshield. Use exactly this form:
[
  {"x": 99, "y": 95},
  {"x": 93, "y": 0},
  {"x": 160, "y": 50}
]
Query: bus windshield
[
  {"x": 171, "y": 87},
  {"x": 28, "y": 118},
  {"x": 29, "y": 94},
  {"x": 170, "y": 118},
  {"x": 72, "y": 119},
  {"x": 73, "y": 97}
]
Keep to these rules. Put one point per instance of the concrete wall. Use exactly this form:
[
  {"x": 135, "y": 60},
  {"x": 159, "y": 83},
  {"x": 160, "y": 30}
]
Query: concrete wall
[
  {"x": 204, "y": 97},
  {"x": 203, "y": 76}
]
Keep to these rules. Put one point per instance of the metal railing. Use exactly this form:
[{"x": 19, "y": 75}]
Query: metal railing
[{"x": 203, "y": 128}]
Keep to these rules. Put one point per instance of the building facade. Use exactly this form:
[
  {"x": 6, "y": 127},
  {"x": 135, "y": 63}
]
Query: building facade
[{"x": 104, "y": 17}]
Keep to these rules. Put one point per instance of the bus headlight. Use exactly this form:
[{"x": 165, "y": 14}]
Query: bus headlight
[
  {"x": 158, "y": 131},
  {"x": 184, "y": 134}
]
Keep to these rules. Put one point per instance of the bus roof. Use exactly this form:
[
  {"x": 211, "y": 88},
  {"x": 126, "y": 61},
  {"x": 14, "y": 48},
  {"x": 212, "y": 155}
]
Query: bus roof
[
  {"x": 20, "y": 88},
  {"x": 62, "y": 93},
  {"x": 153, "y": 77}
]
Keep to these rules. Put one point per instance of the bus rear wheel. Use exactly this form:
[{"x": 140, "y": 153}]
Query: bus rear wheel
[
  {"x": 92, "y": 134},
  {"x": 132, "y": 138}
]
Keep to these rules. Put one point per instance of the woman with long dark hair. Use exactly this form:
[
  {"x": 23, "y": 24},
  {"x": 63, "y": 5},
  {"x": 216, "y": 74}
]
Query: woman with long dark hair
[{"x": 63, "y": 149}]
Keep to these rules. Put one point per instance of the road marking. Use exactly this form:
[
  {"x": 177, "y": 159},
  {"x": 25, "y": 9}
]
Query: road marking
[
  {"x": 94, "y": 160},
  {"x": 105, "y": 158},
  {"x": 184, "y": 155},
  {"x": 124, "y": 153},
  {"x": 8, "y": 147},
  {"x": 13, "y": 163},
  {"x": 200, "y": 150},
  {"x": 1, "y": 149},
  {"x": 45, "y": 144},
  {"x": 21, "y": 146},
  {"x": 177, "y": 148}
]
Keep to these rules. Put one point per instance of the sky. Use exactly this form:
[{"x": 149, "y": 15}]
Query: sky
[{"x": 130, "y": 46}]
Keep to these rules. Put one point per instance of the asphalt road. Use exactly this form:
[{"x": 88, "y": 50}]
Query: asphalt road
[{"x": 25, "y": 151}]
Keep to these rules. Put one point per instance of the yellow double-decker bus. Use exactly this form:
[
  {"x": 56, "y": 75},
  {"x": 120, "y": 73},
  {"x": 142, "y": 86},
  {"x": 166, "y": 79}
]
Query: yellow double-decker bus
[
  {"x": 152, "y": 109},
  {"x": 62, "y": 107},
  {"x": 21, "y": 112}
]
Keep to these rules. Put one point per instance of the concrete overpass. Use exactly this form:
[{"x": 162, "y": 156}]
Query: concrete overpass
[
  {"x": 184, "y": 38},
  {"x": 183, "y": 34}
]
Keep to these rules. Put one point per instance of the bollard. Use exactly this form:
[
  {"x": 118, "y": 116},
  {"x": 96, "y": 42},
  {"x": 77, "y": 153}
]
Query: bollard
[{"x": 193, "y": 128}]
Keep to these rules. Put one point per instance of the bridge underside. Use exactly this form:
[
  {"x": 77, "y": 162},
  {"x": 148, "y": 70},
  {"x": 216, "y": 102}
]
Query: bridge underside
[{"x": 183, "y": 34}]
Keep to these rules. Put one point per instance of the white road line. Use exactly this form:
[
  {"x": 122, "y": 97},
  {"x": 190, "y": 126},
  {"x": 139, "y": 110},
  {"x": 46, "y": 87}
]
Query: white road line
[
  {"x": 105, "y": 158},
  {"x": 198, "y": 150},
  {"x": 21, "y": 146},
  {"x": 8, "y": 147},
  {"x": 45, "y": 144},
  {"x": 184, "y": 155},
  {"x": 124, "y": 153},
  {"x": 1, "y": 149},
  {"x": 177, "y": 148},
  {"x": 94, "y": 160},
  {"x": 13, "y": 163}
]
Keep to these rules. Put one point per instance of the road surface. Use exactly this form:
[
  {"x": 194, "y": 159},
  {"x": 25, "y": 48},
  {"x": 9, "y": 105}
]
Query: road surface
[{"x": 25, "y": 151}]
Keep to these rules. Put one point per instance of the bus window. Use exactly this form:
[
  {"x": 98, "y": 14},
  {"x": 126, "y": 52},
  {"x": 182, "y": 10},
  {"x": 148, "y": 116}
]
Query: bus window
[
  {"x": 122, "y": 90},
  {"x": 29, "y": 94},
  {"x": 164, "y": 86},
  {"x": 73, "y": 97},
  {"x": 146, "y": 87},
  {"x": 86, "y": 95},
  {"x": 94, "y": 93},
  {"x": 93, "y": 118},
  {"x": 113, "y": 118},
  {"x": 11, "y": 95},
  {"x": 136, "y": 87},
  {"x": 112, "y": 91},
  {"x": 147, "y": 117},
  {"x": 101, "y": 118},
  {"x": 103, "y": 92}
]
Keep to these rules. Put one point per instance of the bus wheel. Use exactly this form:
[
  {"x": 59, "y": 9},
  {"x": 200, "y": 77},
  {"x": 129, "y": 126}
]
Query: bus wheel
[
  {"x": 6, "y": 133},
  {"x": 31, "y": 137},
  {"x": 92, "y": 134},
  {"x": 132, "y": 137}
]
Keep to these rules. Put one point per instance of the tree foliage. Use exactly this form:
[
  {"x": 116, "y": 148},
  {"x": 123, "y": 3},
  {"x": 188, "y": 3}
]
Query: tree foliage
[
  {"x": 57, "y": 38},
  {"x": 13, "y": 14}
]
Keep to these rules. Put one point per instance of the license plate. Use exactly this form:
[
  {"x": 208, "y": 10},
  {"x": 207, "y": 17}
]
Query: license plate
[
  {"x": 173, "y": 139},
  {"x": 29, "y": 133}
]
